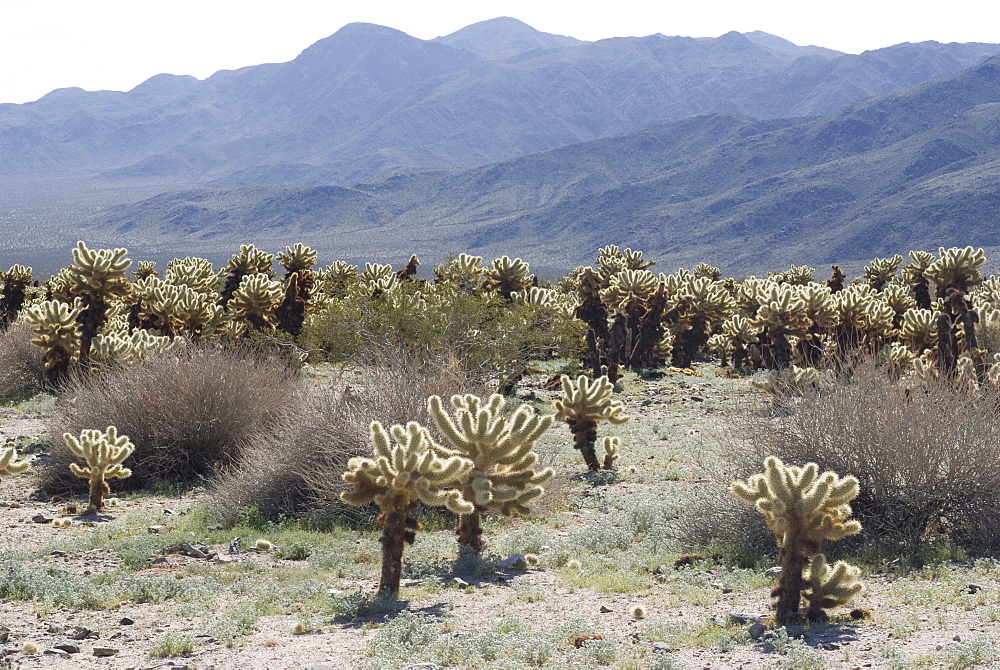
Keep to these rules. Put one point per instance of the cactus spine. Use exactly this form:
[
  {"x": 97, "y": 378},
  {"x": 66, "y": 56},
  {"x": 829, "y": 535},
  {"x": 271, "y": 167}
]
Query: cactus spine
[
  {"x": 9, "y": 463},
  {"x": 104, "y": 452},
  {"x": 502, "y": 452},
  {"x": 803, "y": 508}
]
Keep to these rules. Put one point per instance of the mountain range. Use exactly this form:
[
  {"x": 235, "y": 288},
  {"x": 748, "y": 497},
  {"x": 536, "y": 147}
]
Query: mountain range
[{"x": 742, "y": 150}]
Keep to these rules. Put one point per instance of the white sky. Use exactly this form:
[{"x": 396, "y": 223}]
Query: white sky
[{"x": 117, "y": 44}]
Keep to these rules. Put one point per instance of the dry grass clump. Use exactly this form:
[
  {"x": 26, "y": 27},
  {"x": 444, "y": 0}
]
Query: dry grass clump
[
  {"x": 21, "y": 366},
  {"x": 295, "y": 465},
  {"x": 925, "y": 457},
  {"x": 187, "y": 414}
]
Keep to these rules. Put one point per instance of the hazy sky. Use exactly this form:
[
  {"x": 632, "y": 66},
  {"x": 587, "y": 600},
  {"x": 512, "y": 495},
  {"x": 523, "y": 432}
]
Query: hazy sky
[{"x": 117, "y": 44}]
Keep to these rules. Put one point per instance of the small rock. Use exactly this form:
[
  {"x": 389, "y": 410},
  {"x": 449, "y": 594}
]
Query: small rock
[
  {"x": 68, "y": 647},
  {"x": 80, "y": 633},
  {"x": 976, "y": 587},
  {"x": 421, "y": 666},
  {"x": 661, "y": 647},
  {"x": 167, "y": 510},
  {"x": 661, "y": 570},
  {"x": 697, "y": 398},
  {"x": 831, "y": 646},
  {"x": 606, "y": 610},
  {"x": 726, "y": 589},
  {"x": 125, "y": 621},
  {"x": 957, "y": 638},
  {"x": 773, "y": 572},
  {"x": 204, "y": 639},
  {"x": 52, "y": 651},
  {"x": 318, "y": 666},
  {"x": 43, "y": 518},
  {"x": 159, "y": 560},
  {"x": 516, "y": 561},
  {"x": 54, "y": 628},
  {"x": 156, "y": 530},
  {"x": 743, "y": 618},
  {"x": 4, "y": 634},
  {"x": 756, "y": 631},
  {"x": 57, "y": 553},
  {"x": 461, "y": 583},
  {"x": 545, "y": 547}
]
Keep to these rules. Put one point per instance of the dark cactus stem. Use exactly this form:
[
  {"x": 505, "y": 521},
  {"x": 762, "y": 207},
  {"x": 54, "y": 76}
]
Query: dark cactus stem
[
  {"x": 98, "y": 489},
  {"x": 793, "y": 561},
  {"x": 650, "y": 331},
  {"x": 810, "y": 347},
  {"x": 91, "y": 319},
  {"x": 398, "y": 530},
  {"x": 836, "y": 282},
  {"x": 56, "y": 363},
  {"x": 922, "y": 294},
  {"x": 775, "y": 350},
  {"x": 963, "y": 313},
  {"x": 470, "y": 531},
  {"x": 232, "y": 284},
  {"x": 291, "y": 313},
  {"x": 584, "y": 438},
  {"x": 617, "y": 347},
  {"x": 947, "y": 348},
  {"x": 593, "y": 355},
  {"x": 11, "y": 303},
  {"x": 594, "y": 313}
]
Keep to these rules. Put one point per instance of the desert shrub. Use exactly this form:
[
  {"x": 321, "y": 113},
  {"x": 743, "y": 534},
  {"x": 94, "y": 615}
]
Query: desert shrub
[
  {"x": 491, "y": 338},
  {"x": 925, "y": 457},
  {"x": 21, "y": 366},
  {"x": 295, "y": 465},
  {"x": 187, "y": 415}
]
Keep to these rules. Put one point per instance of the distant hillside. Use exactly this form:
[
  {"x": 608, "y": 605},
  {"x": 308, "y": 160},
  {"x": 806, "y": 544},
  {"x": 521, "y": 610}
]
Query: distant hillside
[
  {"x": 371, "y": 99},
  {"x": 915, "y": 168}
]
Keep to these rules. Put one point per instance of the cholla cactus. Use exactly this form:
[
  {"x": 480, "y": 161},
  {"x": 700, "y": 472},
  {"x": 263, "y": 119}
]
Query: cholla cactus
[
  {"x": 16, "y": 281},
  {"x": 195, "y": 273},
  {"x": 915, "y": 274},
  {"x": 830, "y": 587},
  {"x": 782, "y": 314},
  {"x": 9, "y": 463},
  {"x": 255, "y": 301},
  {"x": 702, "y": 305},
  {"x": 919, "y": 330},
  {"x": 145, "y": 269},
  {"x": 956, "y": 268},
  {"x": 790, "y": 381},
  {"x": 640, "y": 283},
  {"x": 139, "y": 345},
  {"x": 881, "y": 271},
  {"x": 398, "y": 479},
  {"x": 503, "y": 478},
  {"x": 507, "y": 275},
  {"x": 57, "y": 332},
  {"x": 743, "y": 335},
  {"x": 611, "y": 260},
  {"x": 803, "y": 509},
  {"x": 707, "y": 271},
  {"x": 96, "y": 277},
  {"x": 464, "y": 271},
  {"x": 249, "y": 261},
  {"x": 104, "y": 452},
  {"x": 584, "y": 405},
  {"x": 297, "y": 258},
  {"x": 795, "y": 275},
  {"x": 591, "y": 309}
]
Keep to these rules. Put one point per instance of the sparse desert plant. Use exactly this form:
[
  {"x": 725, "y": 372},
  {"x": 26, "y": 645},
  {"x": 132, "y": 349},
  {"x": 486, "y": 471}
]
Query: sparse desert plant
[
  {"x": 397, "y": 480},
  {"x": 804, "y": 508},
  {"x": 22, "y": 368},
  {"x": 293, "y": 466},
  {"x": 923, "y": 453},
  {"x": 584, "y": 405},
  {"x": 187, "y": 414},
  {"x": 104, "y": 451},
  {"x": 501, "y": 449}
]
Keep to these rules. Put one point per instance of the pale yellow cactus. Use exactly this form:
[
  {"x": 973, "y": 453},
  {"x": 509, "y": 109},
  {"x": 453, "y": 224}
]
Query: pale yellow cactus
[
  {"x": 10, "y": 464},
  {"x": 585, "y": 403},
  {"x": 98, "y": 274},
  {"x": 144, "y": 269},
  {"x": 795, "y": 275},
  {"x": 707, "y": 271},
  {"x": 297, "y": 258},
  {"x": 881, "y": 270},
  {"x": 956, "y": 268},
  {"x": 914, "y": 272},
  {"x": 251, "y": 260},
  {"x": 507, "y": 275},
  {"x": 830, "y": 586},
  {"x": 503, "y": 478},
  {"x": 139, "y": 345},
  {"x": 195, "y": 273},
  {"x": 463, "y": 270},
  {"x": 790, "y": 381},
  {"x": 640, "y": 283},
  {"x": 398, "y": 479},
  {"x": 919, "y": 330},
  {"x": 802, "y": 508},
  {"x": 57, "y": 332},
  {"x": 104, "y": 452},
  {"x": 255, "y": 300}
]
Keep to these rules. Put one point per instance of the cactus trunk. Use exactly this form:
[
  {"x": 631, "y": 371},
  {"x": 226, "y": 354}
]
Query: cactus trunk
[
  {"x": 584, "y": 437},
  {"x": 397, "y": 531},
  {"x": 790, "y": 583},
  {"x": 98, "y": 489},
  {"x": 470, "y": 531}
]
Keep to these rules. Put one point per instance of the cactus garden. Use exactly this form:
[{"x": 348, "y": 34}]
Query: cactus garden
[{"x": 289, "y": 460}]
